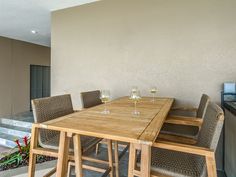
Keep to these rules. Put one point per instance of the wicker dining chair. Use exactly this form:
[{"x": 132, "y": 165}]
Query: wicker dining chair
[
  {"x": 46, "y": 109},
  {"x": 90, "y": 99},
  {"x": 199, "y": 111},
  {"x": 170, "y": 128},
  {"x": 175, "y": 159}
]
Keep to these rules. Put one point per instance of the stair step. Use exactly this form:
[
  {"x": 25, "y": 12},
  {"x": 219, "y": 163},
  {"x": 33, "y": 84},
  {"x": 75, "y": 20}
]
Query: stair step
[
  {"x": 16, "y": 123},
  {"x": 9, "y": 140},
  {"x": 15, "y": 130},
  {"x": 12, "y": 128}
]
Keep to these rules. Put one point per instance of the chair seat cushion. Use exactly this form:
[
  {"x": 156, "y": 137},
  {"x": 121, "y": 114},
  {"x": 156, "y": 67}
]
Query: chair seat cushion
[
  {"x": 178, "y": 164},
  {"x": 181, "y": 130},
  {"x": 53, "y": 143}
]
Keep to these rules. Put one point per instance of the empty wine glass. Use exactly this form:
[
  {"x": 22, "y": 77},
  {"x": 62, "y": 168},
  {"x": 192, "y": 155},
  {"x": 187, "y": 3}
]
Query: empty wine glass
[
  {"x": 153, "y": 91},
  {"x": 105, "y": 97},
  {"x": 135, "y": 96},
  {"x": 134, "y": 89}
]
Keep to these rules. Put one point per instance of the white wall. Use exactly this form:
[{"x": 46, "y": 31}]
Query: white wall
[{"x": 184, "y": 47}]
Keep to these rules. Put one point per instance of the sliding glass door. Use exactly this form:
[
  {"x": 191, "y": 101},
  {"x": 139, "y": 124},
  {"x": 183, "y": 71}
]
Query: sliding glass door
[{"x": 39, "y": 82}]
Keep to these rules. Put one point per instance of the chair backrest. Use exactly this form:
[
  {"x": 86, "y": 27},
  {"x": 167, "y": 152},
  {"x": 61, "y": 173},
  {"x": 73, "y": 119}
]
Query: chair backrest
[
  {"x": 210, "y": 131},
  {"x": 205, "y": 99},
  {"x": 45, "y": 109},
  {"x": 90, "y": 99}
]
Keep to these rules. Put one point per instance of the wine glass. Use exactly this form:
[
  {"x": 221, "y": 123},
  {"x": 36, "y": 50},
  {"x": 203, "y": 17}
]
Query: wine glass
[
  {"x": 135, "y": 96},
  {"x": 134, "y": 89},
  {"x": 105, "y": 97},
  {"x": 153, "y": 91}
]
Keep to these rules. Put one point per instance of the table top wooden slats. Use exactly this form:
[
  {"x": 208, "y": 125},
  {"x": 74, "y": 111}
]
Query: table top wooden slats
[{"x": 120, "y": 124}]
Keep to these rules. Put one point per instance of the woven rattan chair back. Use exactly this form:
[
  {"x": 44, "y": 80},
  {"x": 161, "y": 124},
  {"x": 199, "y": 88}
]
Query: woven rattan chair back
[
  {"x": 45, "y": 109},
  {"x": 210, "y": 131},
  {"x": 205, "y": 100},
  {"x": 90, "y": 99},
  {"x": 209, "y": 134}
]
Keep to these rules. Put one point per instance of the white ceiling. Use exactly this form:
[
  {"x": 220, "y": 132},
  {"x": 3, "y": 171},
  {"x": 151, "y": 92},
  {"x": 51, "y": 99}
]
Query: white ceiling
[{"x": 19, "y": 17}]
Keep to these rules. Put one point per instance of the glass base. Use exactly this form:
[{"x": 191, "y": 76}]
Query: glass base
[
  {"x": 136, "y": 113},
  {"x": 105, "y": 112},
  {"x": 153, "y": 99}
]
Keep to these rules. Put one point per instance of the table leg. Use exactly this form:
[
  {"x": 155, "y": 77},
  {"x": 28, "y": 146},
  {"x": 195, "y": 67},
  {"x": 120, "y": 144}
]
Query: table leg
[
  {"x": 32, "y": 156},
  {"x": 116, "y": 157},
  {"x": 78, "y": 155},
  {"x": 109, "y": 145},
  {"x": 62, "y": 162},
  {"x": 132, "y": 160},
  {"x": 145, "y": 160}
]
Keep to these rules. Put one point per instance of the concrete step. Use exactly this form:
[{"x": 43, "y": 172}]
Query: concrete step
[
  {"x": 15, "y": 123},
  {"x": 9, "y": 140},
  {"x": 11, "y": 129},
  {"x": 15, "y": 130}
]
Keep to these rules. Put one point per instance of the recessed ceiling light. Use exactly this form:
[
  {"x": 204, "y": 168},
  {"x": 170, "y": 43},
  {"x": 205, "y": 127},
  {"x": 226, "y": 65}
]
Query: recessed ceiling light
[{"x": 34, "y": 32}]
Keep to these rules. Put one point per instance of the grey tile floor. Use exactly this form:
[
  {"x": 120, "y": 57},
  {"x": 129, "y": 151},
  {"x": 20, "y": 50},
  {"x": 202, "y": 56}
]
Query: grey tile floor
[
  {"x": 221, "y": 174},
  {"x": 123, "y": 165}
]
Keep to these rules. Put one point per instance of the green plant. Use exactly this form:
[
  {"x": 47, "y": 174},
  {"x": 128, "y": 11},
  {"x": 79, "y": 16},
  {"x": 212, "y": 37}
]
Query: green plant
[
  {"x": 14, "y": 159},
  {"x": 20, "y": 157}
]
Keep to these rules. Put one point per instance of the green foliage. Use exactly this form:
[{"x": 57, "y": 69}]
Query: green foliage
[
  {"x": 11, "y": 159},
  {"x": 16, "y": 158},
  {"x": 21, "y": 157}
]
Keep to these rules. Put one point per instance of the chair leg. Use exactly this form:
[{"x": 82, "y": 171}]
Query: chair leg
[
  {"x": 97, "y": 148},
  {"x": 51, "y": 172},
  {"x": 116, "y": 158},
  {"x": 211, "y": 166},
  {"x": 32, "y": 156},
  {"x": 109, "y": 148},
  {"x": 69, "y": 169},
  {"x": 78, "y": 155}
]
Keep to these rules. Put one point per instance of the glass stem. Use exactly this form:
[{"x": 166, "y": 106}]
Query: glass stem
[
  {"x": 105, "y": 106},
  {"x": 153, "y": 97},
  {"x": 135, "y": 106}
]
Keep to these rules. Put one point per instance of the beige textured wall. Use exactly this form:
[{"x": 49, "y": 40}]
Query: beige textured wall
[
  {"x": 15, "y": 59},
  {"x": 5, "y": 76},
  {"x": 183, "y": 47}
]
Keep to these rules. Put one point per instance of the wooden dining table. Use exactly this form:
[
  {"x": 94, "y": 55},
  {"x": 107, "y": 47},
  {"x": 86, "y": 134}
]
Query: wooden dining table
[{"x": 140, "y": 130}]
